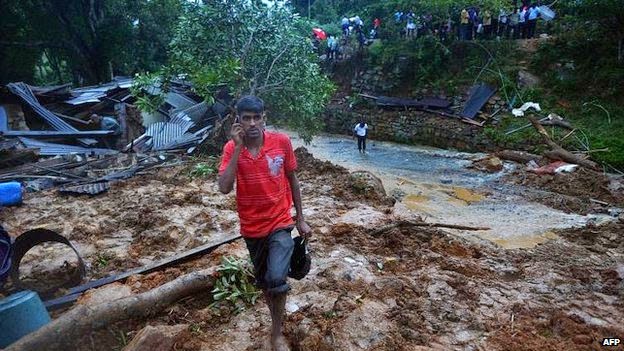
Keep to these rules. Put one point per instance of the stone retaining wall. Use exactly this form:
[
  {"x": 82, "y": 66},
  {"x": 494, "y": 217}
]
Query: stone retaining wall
[{"x": 411, "y": 127}]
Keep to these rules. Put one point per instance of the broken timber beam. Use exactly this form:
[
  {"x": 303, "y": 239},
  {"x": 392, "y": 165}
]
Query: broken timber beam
[
  {"x": 75, "y": 292},
  {"x": 65, "y": 332},
  {"x": 517, "y": 156},
  {"x": 559, "y": 153},
  {"x": 56, "y": 133}
]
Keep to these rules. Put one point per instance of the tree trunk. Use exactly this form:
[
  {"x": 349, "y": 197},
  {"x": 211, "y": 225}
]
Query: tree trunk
[
  {"x": 84, "y": 48},
  {"x": 517, "y": 156},
  {"x": 65, "y": 331},
  {"x": 559, "y": 153}
]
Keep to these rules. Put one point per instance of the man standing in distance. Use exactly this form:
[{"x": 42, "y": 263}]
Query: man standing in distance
[
  {"x": 263, "y": 165},
  {"x": 361, "y": 131}
]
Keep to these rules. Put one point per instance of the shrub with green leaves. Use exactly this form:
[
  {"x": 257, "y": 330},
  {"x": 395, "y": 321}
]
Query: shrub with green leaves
[
  {"x": 204, "y": 169},
  {"x": 143, "y": 89},
  {"x": 253, "y": 49},
  {"x": 234, "y": 286}
]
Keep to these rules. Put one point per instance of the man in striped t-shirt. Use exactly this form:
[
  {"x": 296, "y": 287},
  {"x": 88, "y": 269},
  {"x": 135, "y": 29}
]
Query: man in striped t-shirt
[{"x": 263, "y": 165}]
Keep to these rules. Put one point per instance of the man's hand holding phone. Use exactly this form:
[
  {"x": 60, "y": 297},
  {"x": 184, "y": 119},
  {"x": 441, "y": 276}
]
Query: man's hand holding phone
[{"x": 237, "y": 133}]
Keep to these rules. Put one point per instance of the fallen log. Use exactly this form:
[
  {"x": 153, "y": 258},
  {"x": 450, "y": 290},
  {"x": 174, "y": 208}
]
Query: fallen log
[
  {"x": 423, "y": 224},
  {"x": 559, "y": 153},
  {"x": 517, "y": 156},
  {"x": 64, "y": 332},
  {"x": 557, "y": 123}
]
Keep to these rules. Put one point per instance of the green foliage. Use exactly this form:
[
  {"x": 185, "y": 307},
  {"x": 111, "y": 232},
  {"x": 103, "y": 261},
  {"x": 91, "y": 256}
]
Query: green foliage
[
  {"x": 588, "y": 50},
  {"x": 234, "y": 285},
  {"x": 324, "y": 12},
  {"x": 208, "y": 79},
  {"x": 205, "y": 169},
  {"x": 102, "y": 259},
  {"x": 143, "y": 89},
  {"x": 81, "y": 40},
  {"x": 250, "y": 48}
]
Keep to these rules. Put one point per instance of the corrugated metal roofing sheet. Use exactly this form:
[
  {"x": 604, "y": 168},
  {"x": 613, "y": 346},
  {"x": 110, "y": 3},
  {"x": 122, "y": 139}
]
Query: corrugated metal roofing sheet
[
  {"x": 22, "y": 90},
  {"x": 95, "y": 93},
  {"x": 91, "y": 189},
  {"x": 179, "y": 101},
  {"x": 86, "y": 97},
  {"x": 168, "y": 135},
  {"x": 52, "y": 149},
  {"x": 195, "y": 112},
  {"x": 164, "y": 133}
]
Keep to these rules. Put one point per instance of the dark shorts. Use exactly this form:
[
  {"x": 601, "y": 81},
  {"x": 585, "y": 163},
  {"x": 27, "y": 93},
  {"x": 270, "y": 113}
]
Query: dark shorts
[{"x": 271, "y": 260}]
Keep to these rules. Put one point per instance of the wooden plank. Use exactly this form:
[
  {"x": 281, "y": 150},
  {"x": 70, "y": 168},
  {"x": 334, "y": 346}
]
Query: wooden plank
[
  {"x": 75, "y": 292},
  {"x": 56, "y": 133},
  {"x": 72, "y": 119}
]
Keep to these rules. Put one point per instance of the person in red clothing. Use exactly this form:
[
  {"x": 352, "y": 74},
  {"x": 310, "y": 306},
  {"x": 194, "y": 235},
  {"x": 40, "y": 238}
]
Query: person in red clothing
[
  {"x": 376, "y": 23},
  {"x": 263, "y": 165}
]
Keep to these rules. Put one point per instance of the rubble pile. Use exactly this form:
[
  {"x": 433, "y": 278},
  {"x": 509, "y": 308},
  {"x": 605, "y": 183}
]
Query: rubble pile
[
  {"x": 54, "y": 136},
  {"x": 372, "y": 286}
]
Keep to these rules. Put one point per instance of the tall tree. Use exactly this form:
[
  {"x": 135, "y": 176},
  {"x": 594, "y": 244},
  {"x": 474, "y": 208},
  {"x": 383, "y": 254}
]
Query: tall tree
[
  {"x": 251, "y": 48},
  {"x": 93, "y": 36}
]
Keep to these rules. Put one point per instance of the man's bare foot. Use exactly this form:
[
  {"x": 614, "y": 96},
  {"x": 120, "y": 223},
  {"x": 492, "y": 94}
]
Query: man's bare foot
[{"x": 280, "y": 343}]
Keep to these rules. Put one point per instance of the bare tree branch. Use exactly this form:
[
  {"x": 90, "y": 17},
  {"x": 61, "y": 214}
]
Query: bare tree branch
[
  {"x": 266, "y": 81},
  {"x": 273, "y": 86},
  {"x": 246, "y": 48}
]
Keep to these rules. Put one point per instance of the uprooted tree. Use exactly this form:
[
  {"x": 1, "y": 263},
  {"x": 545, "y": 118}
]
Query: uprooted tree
[{"x": 249, "y": 48}]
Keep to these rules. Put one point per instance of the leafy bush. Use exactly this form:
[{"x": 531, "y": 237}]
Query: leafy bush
[
  {"x": 254, "y": 49},
  {"x": 202, "y": 170},
  {"x": 234, "y": 285},
  {"x": 143, "y": 89}
]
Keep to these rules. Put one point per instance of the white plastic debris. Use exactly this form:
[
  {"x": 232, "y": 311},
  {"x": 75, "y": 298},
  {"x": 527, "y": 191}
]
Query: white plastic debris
[
  {"x": 532, "y": 165},
  {"x": 569, "y": 168},
  {"x": 519, "y": 112}
]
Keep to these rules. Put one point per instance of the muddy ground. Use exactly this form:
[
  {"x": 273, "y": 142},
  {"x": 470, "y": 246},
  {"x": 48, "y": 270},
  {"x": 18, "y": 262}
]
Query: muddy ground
[
  {"x": 406, "y": 288},
  {"x": 583, "y": 191}
]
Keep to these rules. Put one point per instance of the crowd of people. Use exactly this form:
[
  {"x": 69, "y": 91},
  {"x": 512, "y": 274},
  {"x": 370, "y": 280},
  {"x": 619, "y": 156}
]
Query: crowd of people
[
  {"x": 353, "y": 26},
  {"x": 471, "y": 23},
  {"x": 519, "y": 23}
]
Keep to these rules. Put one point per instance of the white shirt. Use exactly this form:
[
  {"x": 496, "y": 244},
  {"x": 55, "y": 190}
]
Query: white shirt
[{"x": 360, "y": 131}]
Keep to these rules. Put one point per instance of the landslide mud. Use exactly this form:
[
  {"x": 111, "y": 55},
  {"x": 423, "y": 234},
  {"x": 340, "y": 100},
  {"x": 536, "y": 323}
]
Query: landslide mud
[
  {"x": 572, "y": 192},
  {"x": 404, "y": 288}
]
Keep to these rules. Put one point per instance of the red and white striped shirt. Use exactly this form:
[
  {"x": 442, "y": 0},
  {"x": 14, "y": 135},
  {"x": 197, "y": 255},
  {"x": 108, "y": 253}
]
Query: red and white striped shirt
[{"x": 263, "y": 196}]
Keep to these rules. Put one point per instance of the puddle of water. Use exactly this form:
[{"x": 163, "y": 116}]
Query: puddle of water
[
  {"x": 467, "y": 195},
  {"x": 523, "y": 242},
  {"x": 415, "y": 202}
]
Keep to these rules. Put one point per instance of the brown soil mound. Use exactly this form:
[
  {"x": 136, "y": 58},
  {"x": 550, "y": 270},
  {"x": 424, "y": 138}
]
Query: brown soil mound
[
  {"x": 598, "y": 238},
  {"x": 574, "y": 190},
  {"x": 357, "y": 186},
  {"x": 549, "y": 331}
]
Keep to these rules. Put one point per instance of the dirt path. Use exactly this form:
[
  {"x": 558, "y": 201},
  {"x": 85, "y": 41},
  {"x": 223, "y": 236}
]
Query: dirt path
[{"x": 410, "y": 288}]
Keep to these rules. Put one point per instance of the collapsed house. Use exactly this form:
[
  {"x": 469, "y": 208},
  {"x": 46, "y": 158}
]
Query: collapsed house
[{"x": 48, "y": 134}]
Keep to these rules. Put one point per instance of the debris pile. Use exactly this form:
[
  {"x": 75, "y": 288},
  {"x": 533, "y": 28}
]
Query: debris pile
[{"x": 58, "y": 136}]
